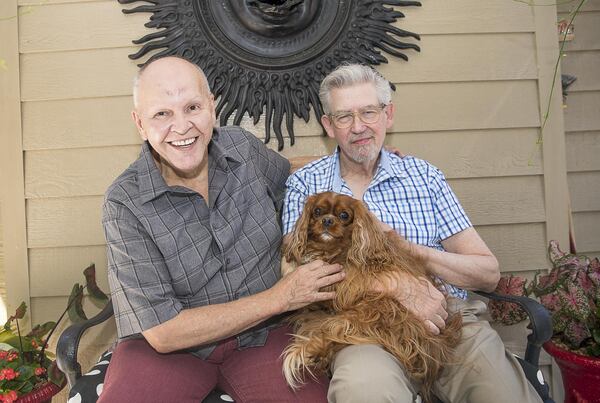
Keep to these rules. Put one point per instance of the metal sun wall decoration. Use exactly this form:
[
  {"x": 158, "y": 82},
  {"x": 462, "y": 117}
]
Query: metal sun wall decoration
[{"x": 270, "y": 56}]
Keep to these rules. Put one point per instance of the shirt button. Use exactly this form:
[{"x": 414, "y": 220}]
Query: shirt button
[{"x": 227, "y": 261}]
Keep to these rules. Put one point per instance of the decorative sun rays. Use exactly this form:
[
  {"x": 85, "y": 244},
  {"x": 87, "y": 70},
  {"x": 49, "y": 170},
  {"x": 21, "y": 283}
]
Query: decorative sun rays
[{"x": 270, "y": 56}]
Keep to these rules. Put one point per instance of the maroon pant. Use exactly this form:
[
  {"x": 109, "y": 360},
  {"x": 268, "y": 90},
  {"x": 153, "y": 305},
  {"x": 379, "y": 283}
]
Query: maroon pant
[{"x": 137, "y": 373}]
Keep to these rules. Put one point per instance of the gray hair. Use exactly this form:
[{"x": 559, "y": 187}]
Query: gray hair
[
  {"x": 347, "y": 75},
  {"x": 138, "y": 76}
]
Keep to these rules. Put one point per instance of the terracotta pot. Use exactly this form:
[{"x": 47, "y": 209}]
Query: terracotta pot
[
  {"x": 580, "y": 374},
  {"x": 43, "y": 394}
]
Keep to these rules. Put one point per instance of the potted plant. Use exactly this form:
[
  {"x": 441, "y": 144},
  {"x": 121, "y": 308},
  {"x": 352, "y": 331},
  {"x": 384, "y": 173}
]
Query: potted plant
[
  {"x": 571, "y": 292},
  {"x": 27, "y": 371}
]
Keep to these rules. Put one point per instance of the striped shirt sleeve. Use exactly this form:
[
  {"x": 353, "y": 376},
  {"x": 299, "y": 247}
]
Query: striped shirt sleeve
[
  {"x": 295, "y": 196},
  {"x": 449, "y": 214},
  {"x": 140, "y": 286}
]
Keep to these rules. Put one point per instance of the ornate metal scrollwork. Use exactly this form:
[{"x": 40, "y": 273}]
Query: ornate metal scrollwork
[{"x": 270, "y": 56}]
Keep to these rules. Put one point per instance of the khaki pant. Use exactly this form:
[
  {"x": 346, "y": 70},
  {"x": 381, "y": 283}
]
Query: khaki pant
[{"x": 486, "y": 372}]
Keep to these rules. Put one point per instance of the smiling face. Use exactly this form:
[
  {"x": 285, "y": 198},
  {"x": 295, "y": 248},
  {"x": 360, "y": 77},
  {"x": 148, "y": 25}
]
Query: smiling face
[
  {"x": 175, "y": 112},
  {"x": 361, "y": 142}
]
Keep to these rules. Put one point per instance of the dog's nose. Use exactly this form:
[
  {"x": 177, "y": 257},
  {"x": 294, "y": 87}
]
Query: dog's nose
[{"x": 327, "y": 222}]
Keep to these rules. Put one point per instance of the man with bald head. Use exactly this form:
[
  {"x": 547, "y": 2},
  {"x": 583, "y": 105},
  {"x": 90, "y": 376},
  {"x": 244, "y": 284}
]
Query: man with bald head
[{"x": 193, "y": 236}]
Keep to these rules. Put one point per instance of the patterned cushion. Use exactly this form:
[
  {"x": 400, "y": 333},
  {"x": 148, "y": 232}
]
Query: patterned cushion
[{"x": 89, "y": 386}]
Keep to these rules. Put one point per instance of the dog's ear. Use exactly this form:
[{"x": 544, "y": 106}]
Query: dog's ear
[
  {"x": 296, "y": 245},
  {"x": 368, "y": 239}
]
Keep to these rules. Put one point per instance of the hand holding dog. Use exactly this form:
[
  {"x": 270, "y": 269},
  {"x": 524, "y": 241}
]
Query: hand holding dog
[
  {"x": 302, "y": 285},
  {"x": 419, "y": 296}
]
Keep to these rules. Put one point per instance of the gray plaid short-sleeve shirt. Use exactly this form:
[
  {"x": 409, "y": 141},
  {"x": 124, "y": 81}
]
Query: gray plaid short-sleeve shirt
[{"x": 168, "y": 250}]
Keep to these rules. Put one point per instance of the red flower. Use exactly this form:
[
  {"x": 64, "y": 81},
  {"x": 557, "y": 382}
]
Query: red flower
[
  {"x": 13, "y": 355},
  {"x": 40, "y": 371},
  {"x": 9, "y": 397},
  {"x": 8, "y": 374},
  {"x": 3, "y": 354},
  {"x": 34, "y": 344}
]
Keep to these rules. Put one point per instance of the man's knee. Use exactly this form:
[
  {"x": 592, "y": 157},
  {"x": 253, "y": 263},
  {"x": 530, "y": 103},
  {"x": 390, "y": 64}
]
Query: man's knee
[
  {"x": 367, "y": 373},
  {"x": 158, "y": 377},
  {"x": 484, "y": 368}
]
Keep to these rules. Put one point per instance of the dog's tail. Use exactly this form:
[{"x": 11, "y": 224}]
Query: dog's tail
[
  {"x": 319, "y": 336},
  {"x": 295, "y": 363}
]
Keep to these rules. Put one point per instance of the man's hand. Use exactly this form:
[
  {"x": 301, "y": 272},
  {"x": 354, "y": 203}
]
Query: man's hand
[
  {"x": 302, "y": 286},
  {"x": 419, "y": 296}
]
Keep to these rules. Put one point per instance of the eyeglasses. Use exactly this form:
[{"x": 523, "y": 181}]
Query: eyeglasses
[{"x": 368, "y": 114}]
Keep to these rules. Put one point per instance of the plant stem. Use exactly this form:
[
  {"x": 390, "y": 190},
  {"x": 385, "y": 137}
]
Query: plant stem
[
  {"x": 20, "y": 340},
  {"x": 45, "y": 344},
  {"x": 560, "y": 52},
  {"x": 573, "y": 14}
]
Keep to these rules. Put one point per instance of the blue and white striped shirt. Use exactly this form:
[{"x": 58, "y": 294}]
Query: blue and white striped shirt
[{"x": 409, "y": 194}]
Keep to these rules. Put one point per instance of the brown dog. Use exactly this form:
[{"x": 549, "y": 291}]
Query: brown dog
[{"x": 339, "y": 229}]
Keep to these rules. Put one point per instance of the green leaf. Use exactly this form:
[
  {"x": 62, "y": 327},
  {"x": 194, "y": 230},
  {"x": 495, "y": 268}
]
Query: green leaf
[
  {"x": 55, "y": 375},
  {"x": 13, "y": 341},
  {"x": 5, "y": 346},
  {"x": 76, "y": 313},
  {"x": 593, "y": 350},
  {"x": 5, "y": 336},
  {"x": 27, "y": 387},
  {"x": 19, "y": 314},
  {"x": 596, "y": 335},
  {"x": 559, "y": 322},
  {"x": 98, "y": 297},
  {"x": 25, "y": 372},
  {"x": 40, "y": 330}
]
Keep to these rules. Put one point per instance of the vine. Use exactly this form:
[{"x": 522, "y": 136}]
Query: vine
[{"x": 572, "y": 15}]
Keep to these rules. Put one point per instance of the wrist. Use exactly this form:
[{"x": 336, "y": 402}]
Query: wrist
[
  {"x": 273, "y": 301},
  {"x": 404, "y": 287}
]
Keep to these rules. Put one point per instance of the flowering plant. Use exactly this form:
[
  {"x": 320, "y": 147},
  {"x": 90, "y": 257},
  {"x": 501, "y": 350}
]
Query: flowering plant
[
  {"x": 570, "y": 291},
  {"x": 25, "y": 364}
]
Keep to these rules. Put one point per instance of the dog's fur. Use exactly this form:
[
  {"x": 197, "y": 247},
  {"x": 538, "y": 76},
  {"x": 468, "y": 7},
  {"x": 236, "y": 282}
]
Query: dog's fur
[{"x": 358, "y": 315}]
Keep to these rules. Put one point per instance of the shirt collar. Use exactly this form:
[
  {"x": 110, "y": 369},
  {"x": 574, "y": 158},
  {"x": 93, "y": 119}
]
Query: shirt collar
[
  {"x": 151, "y": 182},
  {"x": 385, "y": 170}
]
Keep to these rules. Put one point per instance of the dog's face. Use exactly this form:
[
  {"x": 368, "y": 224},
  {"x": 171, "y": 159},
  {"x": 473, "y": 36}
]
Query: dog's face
[
  {"x": 331, "y": 226},
  {"x": 331, "y": 217}
]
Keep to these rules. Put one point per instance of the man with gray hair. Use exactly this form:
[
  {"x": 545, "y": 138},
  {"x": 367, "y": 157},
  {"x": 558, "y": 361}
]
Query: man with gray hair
[
  {"x": 412, "y": 198},
  {"x": 193, "y": 240}
]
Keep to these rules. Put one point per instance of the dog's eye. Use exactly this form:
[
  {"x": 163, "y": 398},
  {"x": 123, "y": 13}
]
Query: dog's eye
[
  {"x": 344, "y": 216},
  {"x": 317, "y": 212}
]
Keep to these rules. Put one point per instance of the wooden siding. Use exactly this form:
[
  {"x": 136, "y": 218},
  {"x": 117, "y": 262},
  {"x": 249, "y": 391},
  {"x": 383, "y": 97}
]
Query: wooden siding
[
  {"x": 469, "y": 102},
  {"x": 582, "y": 125},
  {"x": 480, "y": 113},
  {"x": 12, "y": 214},
  {"x": 3, "y": 313}
]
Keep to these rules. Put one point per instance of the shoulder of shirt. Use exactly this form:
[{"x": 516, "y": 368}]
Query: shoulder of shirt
[
  {"x": 412, "y": 165},
  {"x": 237, "y": 142},
  {"x": 230, "y": 137},
  {"x": 125, "y": 185},
  {"x": 314, "y": 168}
]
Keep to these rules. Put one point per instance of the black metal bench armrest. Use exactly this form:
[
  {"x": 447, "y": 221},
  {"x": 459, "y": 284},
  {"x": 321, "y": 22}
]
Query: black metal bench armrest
[
  {"x": 539, "y": 318},
  {"x": 68, "y": 344}
]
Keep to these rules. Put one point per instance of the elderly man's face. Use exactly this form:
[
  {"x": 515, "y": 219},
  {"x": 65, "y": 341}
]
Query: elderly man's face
[
  {"x": 175, "y": 112},
  {"x": 360, "y": 142}
]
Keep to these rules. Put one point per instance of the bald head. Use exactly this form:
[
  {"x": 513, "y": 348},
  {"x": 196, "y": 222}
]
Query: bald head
[{"x": 163, "y": 70}]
